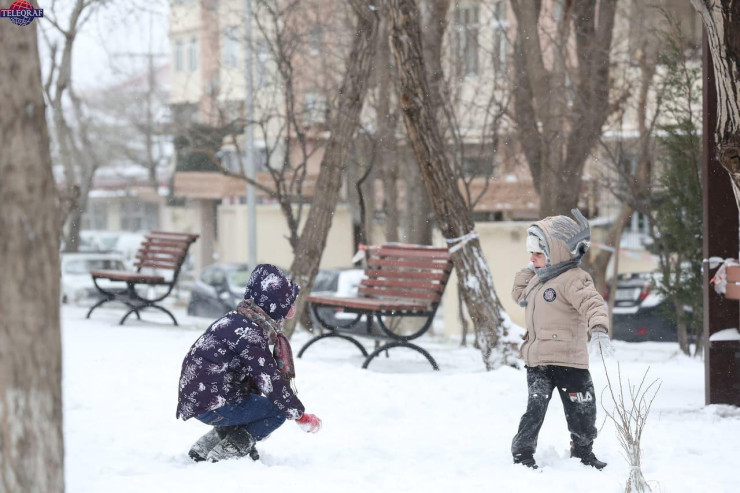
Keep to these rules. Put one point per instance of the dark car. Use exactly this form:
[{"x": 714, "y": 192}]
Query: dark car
[
  {"x": 218, "y": 290},
  {"x": 641, "y": 312}
]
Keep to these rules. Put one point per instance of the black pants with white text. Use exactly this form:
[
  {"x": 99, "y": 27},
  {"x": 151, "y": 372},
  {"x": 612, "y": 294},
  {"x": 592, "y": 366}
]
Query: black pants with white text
[{"x": 576, "y": 390}]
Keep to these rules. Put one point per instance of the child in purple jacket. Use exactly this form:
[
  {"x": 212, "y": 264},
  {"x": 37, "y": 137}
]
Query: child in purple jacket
[{"x": 230, "y": 379}]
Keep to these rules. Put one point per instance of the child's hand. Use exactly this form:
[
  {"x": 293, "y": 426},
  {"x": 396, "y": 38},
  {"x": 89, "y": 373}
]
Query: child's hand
[
  {"x": 600, "y": 344},
  {"x": 309, "y": 423}
]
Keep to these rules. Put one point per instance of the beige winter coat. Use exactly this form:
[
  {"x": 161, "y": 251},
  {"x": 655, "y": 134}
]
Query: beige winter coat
[{"x": 560, "y": 313}]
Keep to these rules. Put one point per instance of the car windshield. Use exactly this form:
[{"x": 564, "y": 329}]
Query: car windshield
[
  {"x": 238, "y": 279},
  {"x": 108, "y": 242},
  {"x": 85, "y": 265}
]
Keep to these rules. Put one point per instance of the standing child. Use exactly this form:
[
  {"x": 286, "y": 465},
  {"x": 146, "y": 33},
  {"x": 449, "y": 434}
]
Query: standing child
[
  {"x": 563, "y": 311},
  {"x": 232, "y": 381}
]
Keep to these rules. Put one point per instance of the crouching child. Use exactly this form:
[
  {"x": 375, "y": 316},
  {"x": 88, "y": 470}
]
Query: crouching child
[{"x": 230, "y": 379}]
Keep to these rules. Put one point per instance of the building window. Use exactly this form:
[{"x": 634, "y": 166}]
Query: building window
[
  {"x": 139, "y": 216},
  {"x": 230, "y": 52},
  {"x": 477, "y": 166},
  {"x": 178, "y": 56},
  {"x": 466, "y": 39},
  {"x": 95, "y": 217},
  {"x": 314, "y": 108},
  {"x": 500, "y": 42},
  {"x": 263, "y": 55},
  {"x": 193, "y": 54},
  {"x": 315, "y": 38}
]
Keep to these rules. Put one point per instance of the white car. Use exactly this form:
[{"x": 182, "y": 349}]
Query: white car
[
  {"x": 77, "y": 284},
  {"x": 336, "y": 282}
]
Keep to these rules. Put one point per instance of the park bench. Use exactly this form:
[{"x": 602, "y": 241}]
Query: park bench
[
  {"x": 159, "y": 250},
  {"x": 400, "y": 282}
]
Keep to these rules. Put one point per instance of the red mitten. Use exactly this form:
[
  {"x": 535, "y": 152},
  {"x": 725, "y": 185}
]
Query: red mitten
[{"x": 309, "y": 423}]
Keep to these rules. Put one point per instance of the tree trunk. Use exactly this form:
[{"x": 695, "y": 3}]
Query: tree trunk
[
  {"x": 560, "y": 113},
  {"x": 31, "y": 446},
  {"x": 418, "y": 208},
  {"x": 722, "y": 23},
  {"x": 352, "y": 94},
  {"x": 387, "y": 120},
  {"x": 453, "y": 216}
]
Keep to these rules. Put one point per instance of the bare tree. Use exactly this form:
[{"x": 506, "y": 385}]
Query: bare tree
[
  {"x": 561, "y": 104},
  {"x": 343, "y": 125},
  {"x": 73, "y": 142},
  {"x": 453, "y": 216},
  {"x": 722, "y": 23},
  {"x": 291, "y": 130},
  {"x": 31, "y": 444},
  {"x": 630, "y": 161},
  {"x": 669, "y": 201},
  {"x": 389, "y": 163},
  {"x": 629, "y": 413},
  {"x": 129, "y": 119}
]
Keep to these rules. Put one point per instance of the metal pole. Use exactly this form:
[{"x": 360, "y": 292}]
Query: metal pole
[{"x": 249, "y": 138}]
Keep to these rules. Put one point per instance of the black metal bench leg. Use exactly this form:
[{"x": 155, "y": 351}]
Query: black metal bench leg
[
  {"x": 132, "y": 310},
  {"x": 104, "y": 300},
  {"x": 387, "y": 346},
  {"x": 332, "y": 334}
]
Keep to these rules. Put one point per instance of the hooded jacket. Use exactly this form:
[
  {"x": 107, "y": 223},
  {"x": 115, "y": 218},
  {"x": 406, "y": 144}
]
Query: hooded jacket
[
  {"x": 232, "y": 358},
  {"x": 562, "y": 311}
]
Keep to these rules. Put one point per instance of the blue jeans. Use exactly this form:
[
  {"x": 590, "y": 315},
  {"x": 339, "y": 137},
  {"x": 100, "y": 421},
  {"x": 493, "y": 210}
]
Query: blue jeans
[{"x": 257, "y": 414}]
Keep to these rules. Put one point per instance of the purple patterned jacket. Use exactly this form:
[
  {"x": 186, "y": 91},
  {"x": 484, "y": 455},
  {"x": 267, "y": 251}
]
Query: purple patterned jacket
[{"x": 228, "y": 362}]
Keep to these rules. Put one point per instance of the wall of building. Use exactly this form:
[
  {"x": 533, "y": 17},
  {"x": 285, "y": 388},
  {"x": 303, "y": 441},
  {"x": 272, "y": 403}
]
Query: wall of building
[{"x": 272, "y": 233}]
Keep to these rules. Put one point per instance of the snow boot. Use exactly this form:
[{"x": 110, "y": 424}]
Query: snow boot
[
  {"x": 587, "y": 456},
  {"x": 238, "y": 443},
  {"x": 525, "y": 460},
  {"x": 200, "y": 449}
]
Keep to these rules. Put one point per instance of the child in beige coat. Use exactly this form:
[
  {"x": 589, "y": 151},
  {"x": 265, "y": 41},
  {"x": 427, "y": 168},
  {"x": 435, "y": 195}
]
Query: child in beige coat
[{"x": 563, "y": 311}]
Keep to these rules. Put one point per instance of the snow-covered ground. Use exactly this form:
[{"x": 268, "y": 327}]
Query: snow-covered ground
[{"x": 397, "y": 427}]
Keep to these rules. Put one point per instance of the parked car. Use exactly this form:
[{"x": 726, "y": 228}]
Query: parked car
[
  {"x": 336, "y": 282},
  {"x": 640, "y": 310},
  {"x": 77, "y": 284},
  {"x": 218, "y": 290},
  {"x": 98, "y": 240}
]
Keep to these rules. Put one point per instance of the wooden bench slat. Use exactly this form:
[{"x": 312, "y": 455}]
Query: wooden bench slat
[
  {"x": 157, "y": 265},
  {"x": 119, "y": 275},
  {"x": 394, "y": 283},
  {"x": 399, "y": 293},
  {"x": 165, "y": 243},
  {"x": 168, "y": 251},
  {"x": 429, "y": 265},
  {"x": 156, "y": 256},
  {"x": 430, "y": 276},
  {"x": 416, "y": 254},
  {"x": 367, "y": 303},
  {"x": 166, "y": 234}
]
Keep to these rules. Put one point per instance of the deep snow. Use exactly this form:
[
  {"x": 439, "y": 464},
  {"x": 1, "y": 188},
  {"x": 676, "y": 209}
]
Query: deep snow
[{"x": 396, "y": 427}]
